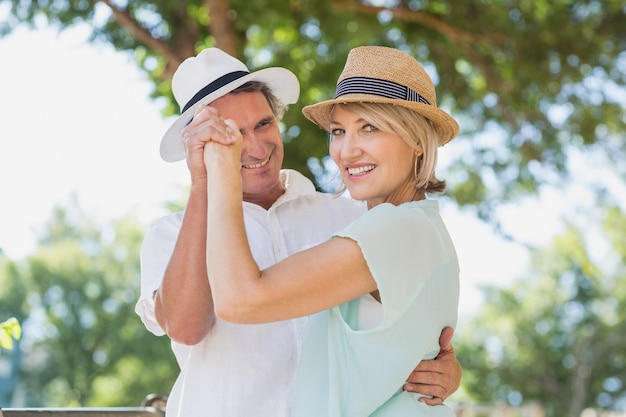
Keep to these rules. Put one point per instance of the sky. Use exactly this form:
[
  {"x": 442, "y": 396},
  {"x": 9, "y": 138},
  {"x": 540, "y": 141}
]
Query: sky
[{"x": 76, "y": 120}]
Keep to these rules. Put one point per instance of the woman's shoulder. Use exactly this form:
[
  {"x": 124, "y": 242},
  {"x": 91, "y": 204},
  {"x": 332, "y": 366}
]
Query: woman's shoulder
[{"x": 412, "y": 211}]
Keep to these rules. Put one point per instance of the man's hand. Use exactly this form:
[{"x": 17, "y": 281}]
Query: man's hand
[
  {"x": 437, "y": 378},
  {"x": 206, "y": 126}
]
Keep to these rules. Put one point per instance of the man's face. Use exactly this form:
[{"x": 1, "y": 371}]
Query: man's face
[{"x": 262, "y": 154}]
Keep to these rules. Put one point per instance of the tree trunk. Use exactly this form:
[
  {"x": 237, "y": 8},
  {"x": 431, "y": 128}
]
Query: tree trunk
[{"x": 221, "y": 26}]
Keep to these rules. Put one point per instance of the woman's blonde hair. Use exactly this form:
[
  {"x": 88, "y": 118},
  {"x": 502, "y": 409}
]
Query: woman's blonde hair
[{"x": 415, "y": 130}]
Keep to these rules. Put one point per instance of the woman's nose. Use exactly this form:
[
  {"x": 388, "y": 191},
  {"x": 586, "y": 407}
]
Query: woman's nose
[{"x": 350, "y": 145}]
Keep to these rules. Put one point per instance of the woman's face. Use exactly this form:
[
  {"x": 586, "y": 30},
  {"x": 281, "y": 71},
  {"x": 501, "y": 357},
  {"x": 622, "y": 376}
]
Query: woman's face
[{"x": 372, "y": 163}]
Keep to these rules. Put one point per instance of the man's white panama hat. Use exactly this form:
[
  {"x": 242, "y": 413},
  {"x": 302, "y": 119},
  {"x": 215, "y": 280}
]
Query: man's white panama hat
[{"x": 210, "y": 75}]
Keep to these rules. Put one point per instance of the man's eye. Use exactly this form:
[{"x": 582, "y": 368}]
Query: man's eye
[{"x": 264, "y": 124}]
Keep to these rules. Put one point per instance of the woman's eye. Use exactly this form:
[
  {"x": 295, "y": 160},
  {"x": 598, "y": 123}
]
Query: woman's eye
[
  {"x": 370, "y": 128},
  {"x": 335, "y": 132}
]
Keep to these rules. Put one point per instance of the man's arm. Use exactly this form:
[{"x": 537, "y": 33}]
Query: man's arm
[
  {"x": 183, "y": 302},
  {"x": 437, "y": 378}
]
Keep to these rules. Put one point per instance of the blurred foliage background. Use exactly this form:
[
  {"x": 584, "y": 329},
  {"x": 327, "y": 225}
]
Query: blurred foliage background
[{"x": 532, "y": 82}]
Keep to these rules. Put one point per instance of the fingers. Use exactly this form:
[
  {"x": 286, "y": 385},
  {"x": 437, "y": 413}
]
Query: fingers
[
  {"x": 434, "y": 395},
  {"x": 208, "y": 126},
  {"x": 439, "y": 378},
  {"x": 425, "y": 369},
  {"x": 431, "y": 401},
  {"x": 445, "y": 339},
  {"x": 234, "y": 130},
  {"x": 428, "y": 386}
]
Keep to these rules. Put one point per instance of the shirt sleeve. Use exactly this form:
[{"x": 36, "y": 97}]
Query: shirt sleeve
[
  {"x": 156, "y": 250},
  {"x": 403, "y": 246}
]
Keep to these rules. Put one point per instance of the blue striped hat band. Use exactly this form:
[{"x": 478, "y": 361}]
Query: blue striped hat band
[{"x": 378, "y": 87}]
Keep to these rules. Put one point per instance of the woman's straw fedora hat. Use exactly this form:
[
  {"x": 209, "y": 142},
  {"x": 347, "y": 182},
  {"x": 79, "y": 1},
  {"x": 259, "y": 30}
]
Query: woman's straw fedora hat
[{"x": 377, "y": 74}]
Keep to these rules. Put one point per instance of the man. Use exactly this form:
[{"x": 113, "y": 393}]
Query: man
[{"x": 229, "y": 369}]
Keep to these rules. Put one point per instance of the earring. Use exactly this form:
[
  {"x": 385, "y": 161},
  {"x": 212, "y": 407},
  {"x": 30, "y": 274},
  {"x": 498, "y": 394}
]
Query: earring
[{"x": 417, "y": 166}]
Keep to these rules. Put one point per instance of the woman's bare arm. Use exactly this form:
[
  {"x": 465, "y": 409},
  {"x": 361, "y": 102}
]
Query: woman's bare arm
[{"x": 307, "y": 282}]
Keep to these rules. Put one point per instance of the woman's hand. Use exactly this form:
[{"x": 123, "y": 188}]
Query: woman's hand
[
  {"x": 206, "y": 126},
  {"x": 224, "y": 150}
]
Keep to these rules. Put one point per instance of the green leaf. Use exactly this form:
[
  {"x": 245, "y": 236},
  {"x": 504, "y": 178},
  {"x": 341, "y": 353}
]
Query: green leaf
[{"x": 10, "y": 330}]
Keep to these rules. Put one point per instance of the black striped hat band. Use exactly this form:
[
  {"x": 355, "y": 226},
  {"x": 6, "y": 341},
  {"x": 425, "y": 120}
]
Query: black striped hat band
[
  {"x": 214, "y": 86},
  {"x": 378, "y": 87}
]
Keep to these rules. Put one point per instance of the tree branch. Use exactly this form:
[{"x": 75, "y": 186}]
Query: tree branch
[
  {"x": 460, "y": 37},
  {"x": 173, "y": 56}
]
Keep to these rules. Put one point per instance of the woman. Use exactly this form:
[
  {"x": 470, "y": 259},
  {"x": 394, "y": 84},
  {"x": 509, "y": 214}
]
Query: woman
[{"x": 384, "y": 285}]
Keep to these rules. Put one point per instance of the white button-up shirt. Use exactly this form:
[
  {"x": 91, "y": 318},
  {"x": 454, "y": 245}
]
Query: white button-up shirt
[{"x": 245, "y": 370}]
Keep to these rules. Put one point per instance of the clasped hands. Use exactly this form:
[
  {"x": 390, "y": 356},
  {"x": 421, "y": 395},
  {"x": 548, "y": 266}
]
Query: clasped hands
[{"x": 204, "y": 139}]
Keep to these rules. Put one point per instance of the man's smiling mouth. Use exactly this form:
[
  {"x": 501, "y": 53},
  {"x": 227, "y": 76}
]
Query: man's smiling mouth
[{"x": 257, "y": 165}]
